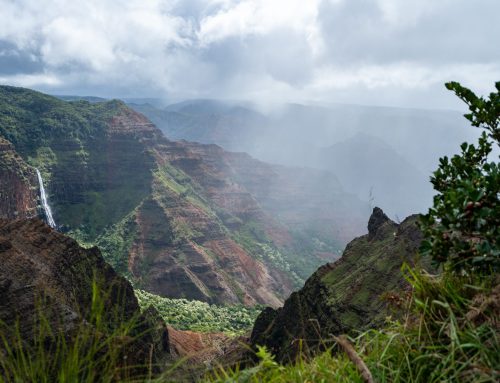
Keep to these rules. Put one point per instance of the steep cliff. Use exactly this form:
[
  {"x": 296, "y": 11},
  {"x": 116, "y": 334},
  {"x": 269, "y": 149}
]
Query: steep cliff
[
  {"x": 343, "y": 296},
  {"x": 18, "y": 194},
  {"x": 181, "y": 219},
  {"x": 47, "y": 276}
]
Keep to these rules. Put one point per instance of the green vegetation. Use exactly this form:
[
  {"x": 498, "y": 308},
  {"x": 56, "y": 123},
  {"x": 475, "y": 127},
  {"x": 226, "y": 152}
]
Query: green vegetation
[
  {"x": 31, "y": 120},
  {"x": 323, "y": 368},
  {"x": 181, "y": 184},
  {"x": 194, "y": 315},
  {"x": 68, "y": 142},
  {"x": 448, "y": 333},
  {"x": 94, "y": 350},
  {"x": 252, "y": 237},
  {"x": 115, "y": 243},
  {"x": 463, "y": 227}
]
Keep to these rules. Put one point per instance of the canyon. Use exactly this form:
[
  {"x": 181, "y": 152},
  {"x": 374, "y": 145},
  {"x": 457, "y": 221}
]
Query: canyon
[{"x": 179, "y": 219}]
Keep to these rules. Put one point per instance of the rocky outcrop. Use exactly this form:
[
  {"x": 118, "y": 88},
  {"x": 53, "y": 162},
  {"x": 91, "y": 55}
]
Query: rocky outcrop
[
  {"x": 203, "y": 352},
  {"x": 343, "y": 296},
  {"x": 45, "y": 275},
  {"x": 18, "y": 194},
  {"x": 377, "y": 219}
]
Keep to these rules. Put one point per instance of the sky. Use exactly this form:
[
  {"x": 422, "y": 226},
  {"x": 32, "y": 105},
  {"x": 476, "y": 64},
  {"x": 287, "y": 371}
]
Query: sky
[{"x": 372, "y": 52}]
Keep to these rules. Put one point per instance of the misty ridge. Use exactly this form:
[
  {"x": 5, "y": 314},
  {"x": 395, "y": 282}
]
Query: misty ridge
[{"x": 383, "y": 155}]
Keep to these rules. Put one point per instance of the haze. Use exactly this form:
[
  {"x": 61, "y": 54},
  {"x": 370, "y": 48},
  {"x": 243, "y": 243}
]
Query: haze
[{"x": 296, "y": 81}]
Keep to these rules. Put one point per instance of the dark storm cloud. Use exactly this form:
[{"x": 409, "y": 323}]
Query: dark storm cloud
[{"x": 14, "y": 60}]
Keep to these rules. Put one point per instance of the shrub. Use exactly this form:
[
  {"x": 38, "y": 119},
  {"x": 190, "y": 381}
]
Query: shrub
[{"x": 462, "y": 229}]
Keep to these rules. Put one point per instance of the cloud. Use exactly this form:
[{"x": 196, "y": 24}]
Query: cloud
[
  {"x": 267, "y": 50},
  {"x": 425, "y": 32}
]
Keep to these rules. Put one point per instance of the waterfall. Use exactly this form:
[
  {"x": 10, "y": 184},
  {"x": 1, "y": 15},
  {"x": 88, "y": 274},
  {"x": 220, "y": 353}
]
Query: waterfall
[{"x": 45, "y": 203}]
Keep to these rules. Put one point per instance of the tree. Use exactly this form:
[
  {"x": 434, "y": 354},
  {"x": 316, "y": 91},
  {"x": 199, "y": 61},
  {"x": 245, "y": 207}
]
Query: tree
[{"x": 462, "y": 228}]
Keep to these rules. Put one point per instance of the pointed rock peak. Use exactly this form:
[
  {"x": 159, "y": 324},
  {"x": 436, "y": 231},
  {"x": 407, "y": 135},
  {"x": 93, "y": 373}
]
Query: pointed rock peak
[{"x": 377, "y": 219}]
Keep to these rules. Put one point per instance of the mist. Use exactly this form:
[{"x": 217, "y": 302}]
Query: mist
[{"x": 384, "y": 156}]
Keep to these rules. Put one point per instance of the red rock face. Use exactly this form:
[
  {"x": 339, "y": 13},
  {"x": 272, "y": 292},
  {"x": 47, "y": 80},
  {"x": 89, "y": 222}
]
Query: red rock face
[
  {"x": 18, "y": 193},
  {"x": 201, "y": 196},
  {"x": 204, "y": 349},
  {"x": 209, "y": 266},
  {"x": 207, "y": 263},
  {"x": 202, "y": 223}
]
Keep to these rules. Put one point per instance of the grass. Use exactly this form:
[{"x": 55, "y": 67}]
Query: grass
[
  {"x": 323, "y": 368},
  {"x": 449, "y": 333},
  {"x": 94, "y": 350}
]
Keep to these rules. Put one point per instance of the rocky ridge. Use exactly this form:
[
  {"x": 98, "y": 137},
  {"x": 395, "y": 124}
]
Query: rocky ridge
[{"x": 343, "y": 296}]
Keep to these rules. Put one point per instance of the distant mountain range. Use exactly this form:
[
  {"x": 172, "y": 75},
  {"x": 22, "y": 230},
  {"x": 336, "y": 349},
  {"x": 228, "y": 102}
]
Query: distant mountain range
[
  {"x": 374, "y": 170},
  {"x": 408, "y": 141},
  {"x": 205, "y": 121}
]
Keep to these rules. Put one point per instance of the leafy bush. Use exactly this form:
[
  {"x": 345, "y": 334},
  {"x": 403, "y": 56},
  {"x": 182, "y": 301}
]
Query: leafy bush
[{"x": 462, "y": 229}]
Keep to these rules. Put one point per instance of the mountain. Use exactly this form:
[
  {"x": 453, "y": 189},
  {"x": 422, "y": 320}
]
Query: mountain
[
  {"x": 303, "y": 135},
  {"x": 344, "y": 296},
  {"x": 179, "y": 219},
  {"x": 206, "y": 121},
  {"x": 374, "y": 170},
  {"x": 48, "y": 285}
]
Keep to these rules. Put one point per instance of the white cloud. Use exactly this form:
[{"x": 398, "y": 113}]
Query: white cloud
[
  {"x": 258, "y": 17},
  {"x": 268, "y": 49},
  {"x": 404, "y": 75}
]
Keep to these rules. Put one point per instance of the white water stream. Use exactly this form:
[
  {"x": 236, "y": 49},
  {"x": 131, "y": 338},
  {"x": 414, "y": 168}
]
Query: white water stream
[{"x": 45, "y": 203}]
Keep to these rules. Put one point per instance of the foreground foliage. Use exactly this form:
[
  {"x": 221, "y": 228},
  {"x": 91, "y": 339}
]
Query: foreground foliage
[
  {"x": 462, "y": 229},
  {"x": 450, "y": 333},
  {"x": 184, "y": 314},
  {"x": 89, "y": 352}
]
